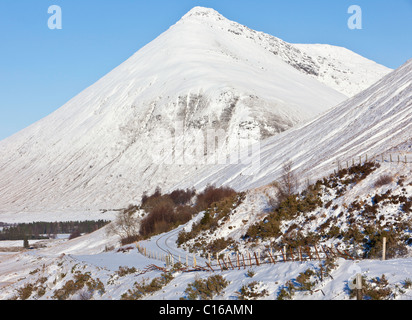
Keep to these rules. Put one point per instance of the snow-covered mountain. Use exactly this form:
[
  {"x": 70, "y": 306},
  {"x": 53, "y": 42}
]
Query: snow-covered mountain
[
  {"x": 137, "y": 127},
  {"x": 342, "y": 69},
  {"x": 372, "y": 124},
  {"x": 337, "y": 67}
]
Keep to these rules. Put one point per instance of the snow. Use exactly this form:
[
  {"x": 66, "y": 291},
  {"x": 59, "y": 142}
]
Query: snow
[
  {"x": 336, "y": 65},
  {"x": 56, "y": 215},
  {"x": 205, "y": 72},
  {"x": 369, "y": 124},
  {"x": 16, "y": 270},
  {"x": 95, "y": 155}
]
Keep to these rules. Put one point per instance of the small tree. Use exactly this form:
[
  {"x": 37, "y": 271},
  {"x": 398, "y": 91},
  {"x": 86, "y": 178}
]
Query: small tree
[
  {"x": 75, "y": 234},
  {"x": 26, "y": 242},
  {"x": 126, "y": 226},
  {"x": 287, "y": 184}
]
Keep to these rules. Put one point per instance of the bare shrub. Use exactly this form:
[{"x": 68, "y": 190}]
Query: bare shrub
[
  {"x": 251, "y": 291},
  {"x": 213, "y": 194},
  {"x": 75, "y": 234},
  {"x": 126, "y": 226},
  {"x": 182, "y": 197},
  {"x": 205, "y": 289},
  {"x": 166, "y": 212},
  {"x": 286, "y": 186},
  {"x": 383, "y": 180},
  {"x": 142, "y": 289}
]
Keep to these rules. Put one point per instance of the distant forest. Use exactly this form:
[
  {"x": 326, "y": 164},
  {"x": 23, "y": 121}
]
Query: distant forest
[{"x": 44, "y": 230}]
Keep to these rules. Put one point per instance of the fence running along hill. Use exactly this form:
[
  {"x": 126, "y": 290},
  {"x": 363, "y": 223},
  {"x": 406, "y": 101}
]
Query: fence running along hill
[
  {"x": 401, "y": 158},
  {"x": 237, "y": 260}
]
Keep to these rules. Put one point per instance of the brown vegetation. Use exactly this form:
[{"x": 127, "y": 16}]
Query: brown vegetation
[
  {"x": 383, "y": 180},
  {"x": 165, "y": 212}
]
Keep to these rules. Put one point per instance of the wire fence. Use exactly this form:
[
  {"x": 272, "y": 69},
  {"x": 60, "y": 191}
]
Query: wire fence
[
  {"x": 393, "y": 158},
  {"x": 238, "y": 260}
]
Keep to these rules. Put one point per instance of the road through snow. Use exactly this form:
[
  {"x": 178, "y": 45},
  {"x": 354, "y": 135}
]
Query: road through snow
[{"x": 165, "y": 243}]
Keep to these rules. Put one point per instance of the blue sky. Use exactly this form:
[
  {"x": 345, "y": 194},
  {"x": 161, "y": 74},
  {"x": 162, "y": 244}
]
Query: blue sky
[{"x": 41, "y": 69}]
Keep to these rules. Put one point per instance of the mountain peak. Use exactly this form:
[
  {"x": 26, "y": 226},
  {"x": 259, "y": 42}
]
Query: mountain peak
[{"x": 202, "y": 12}]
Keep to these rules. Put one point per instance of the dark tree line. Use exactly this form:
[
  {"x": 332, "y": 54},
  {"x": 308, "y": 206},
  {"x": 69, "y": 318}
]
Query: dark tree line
[{"x": 42, "y": 230}]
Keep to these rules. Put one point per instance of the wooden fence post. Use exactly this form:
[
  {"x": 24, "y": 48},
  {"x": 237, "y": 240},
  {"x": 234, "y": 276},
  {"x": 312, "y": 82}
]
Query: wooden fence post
[
  {"x": 271, "y": 257},
  {"x": 358, "y": 286},
  {"x": 224, "y": 262},
  {"x": 291, "y": 254},
  {"x": 384, "y": 248},
  {"x": 257, "y": 261},
  {"x": 230, "y": 261},
  {"x": 218, "y": 261},
  {"x": 283, "y": 253}
]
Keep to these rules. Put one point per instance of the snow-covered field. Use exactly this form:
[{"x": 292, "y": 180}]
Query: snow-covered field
[{"x": 18, "y": 270}]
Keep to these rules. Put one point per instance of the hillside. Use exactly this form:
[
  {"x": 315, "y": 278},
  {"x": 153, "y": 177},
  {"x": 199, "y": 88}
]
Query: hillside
[
  {"x": 328, "y": 180},
  {"x": 372, "y": 124},
  {"x": 145, "y": 124},
  {"x": 84, "y": 268}
]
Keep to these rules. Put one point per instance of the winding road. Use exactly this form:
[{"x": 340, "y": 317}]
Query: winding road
[{"x": 166, "y": 243}]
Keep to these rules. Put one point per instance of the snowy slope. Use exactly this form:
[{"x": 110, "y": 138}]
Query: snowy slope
[
  {"x": 373, "y": 123},
  {"x": 95, "y": 153},
  {"x": 48, "y": 270},
  {"x": 110, "y": 143},
  {"x": 342, "y": 69},
  {"x": 337, "y": 67}
]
